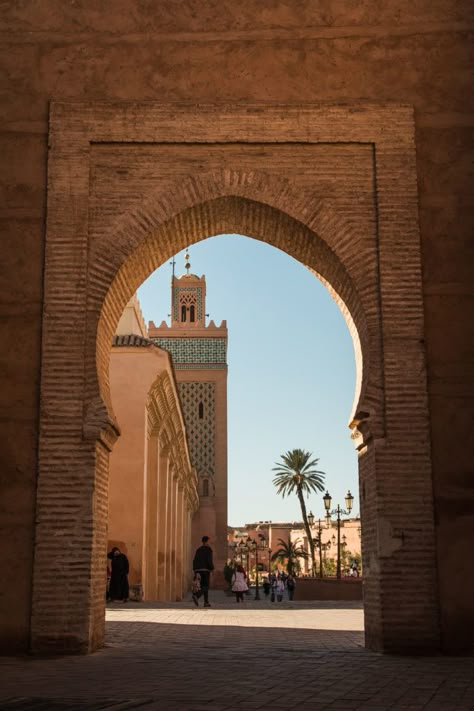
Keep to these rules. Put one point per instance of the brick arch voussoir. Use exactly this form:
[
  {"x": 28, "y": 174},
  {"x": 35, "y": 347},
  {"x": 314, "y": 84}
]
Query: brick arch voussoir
[
  {"x": 173, "y": 199},
  {"x": 132, "y": 229},
  {"x": 168, "y": 220}
]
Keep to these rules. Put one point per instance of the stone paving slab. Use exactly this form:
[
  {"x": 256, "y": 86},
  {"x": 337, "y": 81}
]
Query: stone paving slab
[
  {"x": 35, "y": 704},
  {"x": 255, "y": 656}
]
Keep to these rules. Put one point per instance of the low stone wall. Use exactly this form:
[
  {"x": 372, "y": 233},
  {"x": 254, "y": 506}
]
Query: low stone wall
[{"x": 328, "y": 589}]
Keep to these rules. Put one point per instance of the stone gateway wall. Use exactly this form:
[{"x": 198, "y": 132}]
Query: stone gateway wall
[
  {"x": 229, "y": 57},
  {"x": 357, "y": 228}
]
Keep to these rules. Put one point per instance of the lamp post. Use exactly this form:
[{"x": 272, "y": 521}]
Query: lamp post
[
  {"x": 326, "y": 547},
  {"x": 349, "y": 500},
  {"x": 254, "y": 547},
  {"x": 343, "y": 547},
  {"x": 269, "y": 561},
  {"x": 317, "y": 540},
  {"x": 242, "y": 550}
]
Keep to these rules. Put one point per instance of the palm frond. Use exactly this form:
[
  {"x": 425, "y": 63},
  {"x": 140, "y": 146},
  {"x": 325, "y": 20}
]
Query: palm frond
[
  {"x": 296, "y": 472},
  {"x": 289, "y": 550}
]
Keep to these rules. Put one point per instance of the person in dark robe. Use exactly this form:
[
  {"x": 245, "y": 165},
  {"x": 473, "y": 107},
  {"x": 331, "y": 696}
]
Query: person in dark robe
[
  {"x": 203, "y": 565},
  {"x": 118, "y": 588}
]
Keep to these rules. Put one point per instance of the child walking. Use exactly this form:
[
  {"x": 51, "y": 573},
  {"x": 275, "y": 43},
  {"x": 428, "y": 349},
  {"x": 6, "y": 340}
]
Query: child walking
[{"x": 239, "y": 583}]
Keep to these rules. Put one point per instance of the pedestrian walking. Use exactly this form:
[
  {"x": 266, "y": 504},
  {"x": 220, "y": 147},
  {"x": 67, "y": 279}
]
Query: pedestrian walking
[
  {"x": 290, "y": 586},
  {"x": 266, "y": 587},
  {"x": 203, "y": 565},
  {"x": 118, "y": 586},
  {"x": 239, "y": 583},
  {"x": 279, "y": 588},
  {"x": 272, "y": 581}
]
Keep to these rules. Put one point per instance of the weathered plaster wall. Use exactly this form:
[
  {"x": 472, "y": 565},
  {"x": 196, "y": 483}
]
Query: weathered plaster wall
[
  {"x": 415, "y": 52},
  {"x": 147, "y": 405},
  {"x": 132, "y": 373}
]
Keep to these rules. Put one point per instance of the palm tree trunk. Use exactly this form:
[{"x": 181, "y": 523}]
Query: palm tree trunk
[{"x": 307, "y": 529}]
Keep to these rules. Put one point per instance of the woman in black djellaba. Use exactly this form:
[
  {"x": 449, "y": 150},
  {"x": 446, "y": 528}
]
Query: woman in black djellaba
[{"x": 118, "y": 589}]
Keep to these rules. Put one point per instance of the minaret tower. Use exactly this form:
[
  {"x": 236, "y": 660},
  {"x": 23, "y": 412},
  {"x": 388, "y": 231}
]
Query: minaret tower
[{"x": 199, "y": 354}]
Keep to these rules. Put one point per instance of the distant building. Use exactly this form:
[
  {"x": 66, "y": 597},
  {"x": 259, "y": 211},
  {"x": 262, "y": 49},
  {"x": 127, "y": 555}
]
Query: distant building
[
  {"x": 168, "y": 470},
  {"x": 199, "y": 357},
  {"x": 152, "y": 484},
  {"x": 269, "y": 533}
]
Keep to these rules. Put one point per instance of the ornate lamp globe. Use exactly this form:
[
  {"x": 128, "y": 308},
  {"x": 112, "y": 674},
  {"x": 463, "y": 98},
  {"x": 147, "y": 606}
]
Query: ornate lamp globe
[
  {"x": 327, "y": 498},
  {"x": 349, "y": 501}
]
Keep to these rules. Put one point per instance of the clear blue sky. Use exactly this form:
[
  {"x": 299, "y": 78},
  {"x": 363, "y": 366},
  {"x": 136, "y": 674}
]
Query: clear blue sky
[{"x": 291, "y": 370}]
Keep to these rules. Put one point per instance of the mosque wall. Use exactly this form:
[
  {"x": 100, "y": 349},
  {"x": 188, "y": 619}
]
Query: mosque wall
[{"x": 150, "y": 457}]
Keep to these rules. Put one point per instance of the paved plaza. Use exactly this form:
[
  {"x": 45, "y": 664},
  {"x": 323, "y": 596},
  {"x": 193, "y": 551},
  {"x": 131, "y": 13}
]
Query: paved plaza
[{"x": 255, "y": 656}]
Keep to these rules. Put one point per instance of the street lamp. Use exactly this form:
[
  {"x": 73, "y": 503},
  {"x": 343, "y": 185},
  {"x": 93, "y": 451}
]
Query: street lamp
[
  {"x": 254, "y": 546},
  {"x": 317, "y": 540},
  {"x": 349, "y": 500},
  {"x": 310, "y": 518}
]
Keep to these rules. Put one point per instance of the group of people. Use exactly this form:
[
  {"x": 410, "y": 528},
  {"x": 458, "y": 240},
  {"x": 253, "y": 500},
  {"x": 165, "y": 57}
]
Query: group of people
[
  {"x": 274, "y": 585},
  {"x": 354, "y": 570},
  {"x": 118, "y": 569}
]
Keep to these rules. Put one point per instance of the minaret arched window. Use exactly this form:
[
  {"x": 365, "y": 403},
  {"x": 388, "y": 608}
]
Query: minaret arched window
[
  {"x": 205, "y": 487},
  {"x": 191, "y": 313},
  {"x": 201, "y": 410},
  {"x": 183, "y": 313}
]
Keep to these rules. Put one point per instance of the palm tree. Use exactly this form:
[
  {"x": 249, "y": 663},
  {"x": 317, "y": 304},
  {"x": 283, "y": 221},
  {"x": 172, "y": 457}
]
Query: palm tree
[
  {"x": 289, "y": 552},
  {"x": 296, "y": 473}
]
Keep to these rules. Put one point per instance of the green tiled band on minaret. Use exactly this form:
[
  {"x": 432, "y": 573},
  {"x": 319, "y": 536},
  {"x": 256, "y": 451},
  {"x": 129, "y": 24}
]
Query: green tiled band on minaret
[{"x": 194, "y": 350}]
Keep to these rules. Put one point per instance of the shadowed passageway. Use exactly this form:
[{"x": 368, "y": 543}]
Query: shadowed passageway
[{"x": 256, "y": 656}]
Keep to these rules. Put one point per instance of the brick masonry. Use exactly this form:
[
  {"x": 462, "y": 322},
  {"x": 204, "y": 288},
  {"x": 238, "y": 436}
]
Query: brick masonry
[
  {"x": 333, "y": 186},
  {"x": 416, "y": 53}
]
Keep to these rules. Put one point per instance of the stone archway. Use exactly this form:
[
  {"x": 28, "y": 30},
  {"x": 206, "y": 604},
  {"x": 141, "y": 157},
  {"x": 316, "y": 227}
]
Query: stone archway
[{"x": 335, "y": 187}]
